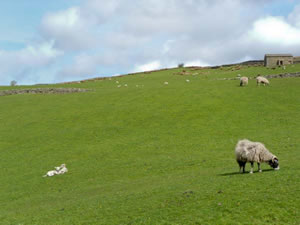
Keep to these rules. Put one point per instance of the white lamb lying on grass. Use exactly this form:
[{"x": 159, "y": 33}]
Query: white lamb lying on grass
[
  {"x": 51, "y": 173},
  {"x": 63, "y": 169},
  {"x": 58, "y": 170}
]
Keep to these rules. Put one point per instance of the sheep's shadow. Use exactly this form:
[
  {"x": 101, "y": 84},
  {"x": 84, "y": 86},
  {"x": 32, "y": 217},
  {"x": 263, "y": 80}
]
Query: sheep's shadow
[{"x": 246, "y": 172}]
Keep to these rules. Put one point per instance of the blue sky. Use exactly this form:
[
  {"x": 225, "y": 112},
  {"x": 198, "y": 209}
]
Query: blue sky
[
  {"x": 280, "y": 8},
  {"x": 64, "y": 40},
  {"x": 20, "y": 19}
]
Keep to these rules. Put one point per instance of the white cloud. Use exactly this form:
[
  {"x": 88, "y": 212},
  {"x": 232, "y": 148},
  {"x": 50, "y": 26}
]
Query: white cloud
[
  {"x": 17, "y": 65},
  {"x": 167, "y": 46},
  {"x": 37, "y": 55},
  {"x": 101, "y": 10},
  {"x": 196, "y": 63},
  {"x": 294, "y": 16},
  {"x": 148, "y": 66},
  {"x": 121, "y": 41},
  {"x": 84, "y": 65},
  {"x": 69, "y": 29},
  {"x": 275, "y": 30}
]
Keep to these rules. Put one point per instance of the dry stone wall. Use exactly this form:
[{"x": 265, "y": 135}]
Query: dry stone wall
[
  {"x": 283, "y": 75},
  {"x": 42, "y": 91}
]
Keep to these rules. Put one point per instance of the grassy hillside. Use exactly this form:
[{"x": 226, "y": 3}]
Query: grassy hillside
[{"x": 151, "y": 153}]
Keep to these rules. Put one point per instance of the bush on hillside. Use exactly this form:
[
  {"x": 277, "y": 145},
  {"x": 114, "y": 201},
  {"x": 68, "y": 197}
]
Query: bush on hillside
[
  {"x": 13, "y": 83},
  {"x": 180, "y": 65}
]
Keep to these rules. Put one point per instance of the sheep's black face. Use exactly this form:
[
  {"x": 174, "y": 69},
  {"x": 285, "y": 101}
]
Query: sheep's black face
[{"x": 274, "y": 163}]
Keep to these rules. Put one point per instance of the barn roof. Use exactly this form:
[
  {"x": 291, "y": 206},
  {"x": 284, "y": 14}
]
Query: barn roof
[{"x": 278, "y": 55}]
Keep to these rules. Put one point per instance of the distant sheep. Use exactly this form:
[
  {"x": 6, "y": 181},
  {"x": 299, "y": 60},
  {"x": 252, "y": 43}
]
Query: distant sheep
[
  {"x": 166, "y": 82},
  {"x": 248, "y": 151},
  {"x": 262, "y": 80},
  {"x": 243, "y": 81}
]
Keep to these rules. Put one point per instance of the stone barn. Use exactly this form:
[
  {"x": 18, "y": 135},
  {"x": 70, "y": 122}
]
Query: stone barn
[
  {"x": 296, "y": 59},
  {"x": 273, "y": 60}
]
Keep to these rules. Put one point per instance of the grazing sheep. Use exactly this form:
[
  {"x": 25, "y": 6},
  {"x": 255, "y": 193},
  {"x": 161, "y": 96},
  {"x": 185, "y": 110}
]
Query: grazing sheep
[
  {"x": 243, "y": 81},
  {"x": 248, "y": 151},
  {"x": 262, "y": 80},
  {"x": 166, "y": 83},
  {"x": 187, "y": 80}
]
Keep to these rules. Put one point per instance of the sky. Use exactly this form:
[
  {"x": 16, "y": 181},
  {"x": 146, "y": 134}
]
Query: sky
[{"x": 69, "y": 40}]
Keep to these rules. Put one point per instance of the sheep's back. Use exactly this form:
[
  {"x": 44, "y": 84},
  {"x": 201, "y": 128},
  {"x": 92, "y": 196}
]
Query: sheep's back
[
  {"x": 262, "y": 80},
  {"x": 248, "y": 151}
]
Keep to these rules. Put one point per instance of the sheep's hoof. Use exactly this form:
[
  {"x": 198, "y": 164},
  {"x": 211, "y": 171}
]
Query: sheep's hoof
[
  {"x": 260, "y": 171},
  {"x": 251, "y": 171}
]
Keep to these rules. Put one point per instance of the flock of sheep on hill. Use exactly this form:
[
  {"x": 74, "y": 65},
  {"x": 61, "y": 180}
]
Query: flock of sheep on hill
[
  {"x": 245, "y": 150},
  {"x": 248, "y": 151},
  {"x": 259, "y": 80}
]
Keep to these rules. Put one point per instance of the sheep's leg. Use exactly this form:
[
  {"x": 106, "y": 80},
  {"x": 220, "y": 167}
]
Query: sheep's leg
[
  {"x": 242, "y": 166},
  {"x": 259, "y": 170},
  {"x": 251, "y": 171}
]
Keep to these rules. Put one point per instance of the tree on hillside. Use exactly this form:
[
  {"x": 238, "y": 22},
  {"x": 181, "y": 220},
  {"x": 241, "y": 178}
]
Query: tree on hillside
[
  {"x": 13, "y": 83},
  {"x": 180, "y": 65}
]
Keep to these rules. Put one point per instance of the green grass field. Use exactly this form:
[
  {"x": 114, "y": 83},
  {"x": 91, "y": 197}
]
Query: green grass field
[{"x": 152, "y": 154}]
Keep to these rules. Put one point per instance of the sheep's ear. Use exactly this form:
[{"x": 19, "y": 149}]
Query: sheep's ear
[{"x": 274, "y": 159}]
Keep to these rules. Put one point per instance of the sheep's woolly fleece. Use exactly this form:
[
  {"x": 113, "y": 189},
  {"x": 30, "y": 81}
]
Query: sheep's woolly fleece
[
  {"x": 262, "y": 80},
  {"x": 243, "y": 81}
]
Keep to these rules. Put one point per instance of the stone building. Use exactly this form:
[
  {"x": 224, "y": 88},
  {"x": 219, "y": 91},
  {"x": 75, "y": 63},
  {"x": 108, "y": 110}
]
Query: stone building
[
  {"x": 296, "y": 60},
  {"x": 272, "y": 60}
]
